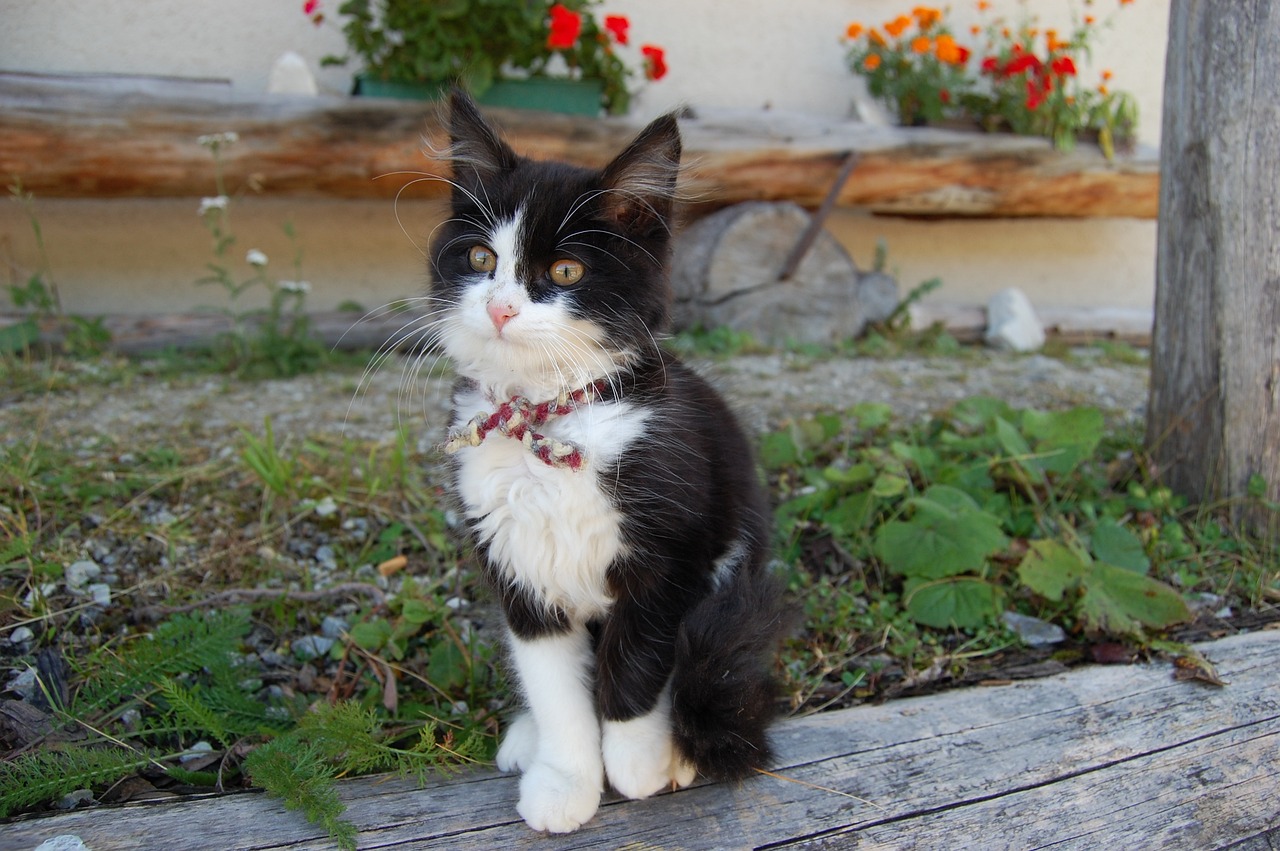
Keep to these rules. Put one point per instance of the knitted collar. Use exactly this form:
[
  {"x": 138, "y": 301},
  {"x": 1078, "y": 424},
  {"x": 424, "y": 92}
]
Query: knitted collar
[{"x": 517, "y": 418}]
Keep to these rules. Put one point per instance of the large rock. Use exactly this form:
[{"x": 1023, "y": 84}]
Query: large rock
[
  {"x": 725, "y": 271},
  {"x": 1012, "y": 323}
]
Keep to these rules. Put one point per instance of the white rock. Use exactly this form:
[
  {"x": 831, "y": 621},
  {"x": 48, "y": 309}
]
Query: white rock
[
  {"x": 291, "y": 76},
  {"x": 64, "y": 842},
  {"x": 1012, "y": 324},
  {"x": 81, "y": 573},
  {"x": 21, "y": 635},
  {"x": 1033, "y": 631},
  {"x": 101, "y": 594},
  {"x": 197, "y": 751}
]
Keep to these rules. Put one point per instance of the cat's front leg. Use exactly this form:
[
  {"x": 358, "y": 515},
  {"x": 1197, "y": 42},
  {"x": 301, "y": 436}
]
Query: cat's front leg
[
  {"x": 640, "y": 756},
  {"x": 557, "y": 743},
  {"x": 634, "y": 661}
]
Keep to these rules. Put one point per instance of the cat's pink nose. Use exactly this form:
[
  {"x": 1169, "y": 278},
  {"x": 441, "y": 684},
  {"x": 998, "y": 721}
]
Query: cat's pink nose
[{"x": 501, "y": 314}]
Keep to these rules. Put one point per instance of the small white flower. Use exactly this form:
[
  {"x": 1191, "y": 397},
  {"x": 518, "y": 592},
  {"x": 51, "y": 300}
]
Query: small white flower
[
  {"x": 217, "y": 140},
  {"x": 256, "y": 258},
  {"x": 295, "y": 286},
  {"x": 218, "y": 202}
]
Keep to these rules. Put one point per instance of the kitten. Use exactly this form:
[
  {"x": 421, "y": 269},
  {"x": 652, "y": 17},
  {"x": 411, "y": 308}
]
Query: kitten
[{"x": 612, "y": 497}]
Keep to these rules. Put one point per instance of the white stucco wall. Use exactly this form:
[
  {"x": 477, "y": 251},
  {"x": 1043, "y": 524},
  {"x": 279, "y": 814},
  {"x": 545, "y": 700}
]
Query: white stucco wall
[{"x": 752, "y": 54}]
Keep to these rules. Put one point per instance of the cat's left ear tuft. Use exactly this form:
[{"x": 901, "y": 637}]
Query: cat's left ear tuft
[{"x": 640, "y": 184}]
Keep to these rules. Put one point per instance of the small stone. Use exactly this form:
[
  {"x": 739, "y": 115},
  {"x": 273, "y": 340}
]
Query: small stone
[
  {"x": 199, "y": 750},
  {"x": 333, "y": 627},
  {"x": 23, "y": 683},
  {"x": 878, "y": 296},
  {"x": 75, "y": 799},
  {"x": 63, "y": 842},
  {"x": 311, "y": 646},
  {"x": 130, "y": 718},
  {"x": 1033, "y": 631},
  {"x": 272, "y": 659},
  {"x": 456, "y": 603},
  {"x": 21, "y": 635},
  {"x": 1012, "y": 324},
  {"x": 326, "y": 507},
  {"x": 290, "y": 75},
  {"x": 40, "y": 593},
  {"x": 101, "y": 594},
  {"x": 326, "y": 556},
  {"x": 81, "y": 573}
]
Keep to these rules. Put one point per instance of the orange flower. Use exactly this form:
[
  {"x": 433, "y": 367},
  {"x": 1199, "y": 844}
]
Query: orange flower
[
  {"x": 872, "y": 62},
  {"x": 983, "y": 5},
  {"x": 1125, "y": 2},
  {"x": 927, "y": 16},
  {"x": 975, "y": 30},
  {"x": 1106, "y": 74},
  {"x": 897, "y": 26},
  {"x": 948, "y": 51},
  {"x": 1089, "y": 20},
  {"x": 873, "y": 36},
  {"x": 1051, "y": 40},
  {"x": 921, "y": 44},
  {"x": 1102, "y": 90},
  {"x": 854, "y": 30}
]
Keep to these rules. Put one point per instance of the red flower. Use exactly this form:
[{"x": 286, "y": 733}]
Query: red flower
[
  {"x": 565, "y": 27},
  {"x": 1035, "y": 96},
  {"x": 991, "y": 64},
  {"x": 617, "y": 26},
  {"x": 309, "y": 7},
  {"x": 964, "y": 55},
  {"x": 1063, "y": 66},
  {"x": 1022, "y": 62},
  {"x": 655, "y": 62}
]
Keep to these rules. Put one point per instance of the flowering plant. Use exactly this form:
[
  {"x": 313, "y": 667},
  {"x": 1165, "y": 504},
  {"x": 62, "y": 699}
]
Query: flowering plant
[
  {"x": 477, "y": 42},
  {"x": 1022, "y": 79}
]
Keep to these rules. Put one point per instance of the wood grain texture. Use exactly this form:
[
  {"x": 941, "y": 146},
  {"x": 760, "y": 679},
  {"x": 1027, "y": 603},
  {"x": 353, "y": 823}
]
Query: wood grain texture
[
  {"x": 121, "y": 137},
  {"x": 1215, "y": 391},
  {"x": 1103, "y": 757}
]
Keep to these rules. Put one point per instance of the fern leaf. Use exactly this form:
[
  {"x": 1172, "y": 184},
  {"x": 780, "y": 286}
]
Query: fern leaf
[
  {"x": 300, "y": 774},
  {"x": 194, "y": 712},
  {"x": 42, "y": 776},
  {"x": 182, "y": 644}
]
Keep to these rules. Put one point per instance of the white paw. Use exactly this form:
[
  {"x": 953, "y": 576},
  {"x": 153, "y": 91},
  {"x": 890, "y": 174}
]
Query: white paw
[
  {"x": 520, "y": 744},
  {"x": 555, "y": 801},
  {"x": 641, "y": 761}
]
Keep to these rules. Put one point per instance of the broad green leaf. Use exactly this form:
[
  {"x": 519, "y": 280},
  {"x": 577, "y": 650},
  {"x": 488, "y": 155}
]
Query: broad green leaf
[
  {"x": 447, "y": 668},
  {"x": 872, "y": 415},
  {"x": 1016, "y": 446},
  {"x": 948, "y": 534},
  {"x": 1051, "y": 568},
  {"x": 416, "y": 612},
  {"x": 851, "y": 515},
  {"x": 371, "y": 635},
  {"x": 778, "y": 449},
  {"x": 19, "y": 336},
  {"x": 855, "y": 474},
  {"x": 1063, "y": 439},
  {"x": 887, "y": 486},
  {"x": 922, "y": 458},
  {"x": 959, "y": 601},
  {"x": 981, "y": 411},
  {"x": 1116, "y": 545},
  {"x": 1120, "y": 601}
]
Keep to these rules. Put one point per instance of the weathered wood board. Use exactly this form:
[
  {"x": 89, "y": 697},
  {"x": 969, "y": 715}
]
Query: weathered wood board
[
  {"x": 117, "y": 137},
  {"x": 1102, "y": 757}
]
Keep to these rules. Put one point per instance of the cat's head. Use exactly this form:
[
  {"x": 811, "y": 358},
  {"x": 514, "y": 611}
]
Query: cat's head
[{"x": 548, "y": 276}]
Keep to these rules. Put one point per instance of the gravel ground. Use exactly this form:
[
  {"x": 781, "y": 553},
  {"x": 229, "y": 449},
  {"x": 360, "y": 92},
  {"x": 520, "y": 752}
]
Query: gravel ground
[{"x": 765, "y": 389}]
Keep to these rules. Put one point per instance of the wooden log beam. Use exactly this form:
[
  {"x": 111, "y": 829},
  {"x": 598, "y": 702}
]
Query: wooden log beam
[{"x": 131, "y": 137}]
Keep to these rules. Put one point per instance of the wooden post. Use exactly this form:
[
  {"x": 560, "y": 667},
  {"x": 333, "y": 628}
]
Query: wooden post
[{"x": 1214, "y": 415}]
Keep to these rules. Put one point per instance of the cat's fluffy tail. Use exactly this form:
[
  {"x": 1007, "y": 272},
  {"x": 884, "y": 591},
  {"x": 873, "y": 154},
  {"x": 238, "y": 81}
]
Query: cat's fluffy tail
[{"x": 723, "y": 694}]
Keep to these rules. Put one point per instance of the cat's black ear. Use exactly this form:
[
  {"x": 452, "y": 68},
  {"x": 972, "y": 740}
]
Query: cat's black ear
[
  {"x": 640, "y": 184},
  {"x": 473, "y": 143}
]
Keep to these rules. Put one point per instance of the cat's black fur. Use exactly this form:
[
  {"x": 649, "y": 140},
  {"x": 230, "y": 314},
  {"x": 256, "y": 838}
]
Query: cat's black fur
[{"x": 686, "y": 488}]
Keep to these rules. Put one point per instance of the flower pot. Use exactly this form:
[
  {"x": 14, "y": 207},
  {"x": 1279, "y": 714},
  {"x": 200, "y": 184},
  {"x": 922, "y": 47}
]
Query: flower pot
[{"x": 549, "y": 94}]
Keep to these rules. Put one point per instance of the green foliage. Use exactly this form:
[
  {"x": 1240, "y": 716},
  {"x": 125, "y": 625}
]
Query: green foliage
[
  {"x": 477, "y": 42},
  {"x": 944, "y": 508},
  {"x": 274, "y": 341},
  {"x": 301, "y": 766},
  {"x": 35, "y": 777}
]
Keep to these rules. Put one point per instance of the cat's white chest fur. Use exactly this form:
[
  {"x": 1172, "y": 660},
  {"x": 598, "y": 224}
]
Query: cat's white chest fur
[{"x": 552, "y": 530}]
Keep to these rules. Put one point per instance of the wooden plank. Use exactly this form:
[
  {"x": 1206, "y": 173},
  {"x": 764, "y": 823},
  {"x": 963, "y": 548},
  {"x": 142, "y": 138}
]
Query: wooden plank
[
  {"x": 117, "y": 137},
  {"x": 1094, "y": 758}
]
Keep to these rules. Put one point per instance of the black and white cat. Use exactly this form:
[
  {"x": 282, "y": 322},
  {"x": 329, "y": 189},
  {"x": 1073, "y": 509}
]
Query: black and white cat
[{"x": 611, "y": 495}]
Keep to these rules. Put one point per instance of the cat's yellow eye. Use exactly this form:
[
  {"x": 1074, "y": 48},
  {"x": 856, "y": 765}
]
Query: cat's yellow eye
[
  {"x": 482, "y": 259},
  {"x": 566, "y": 273}
]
